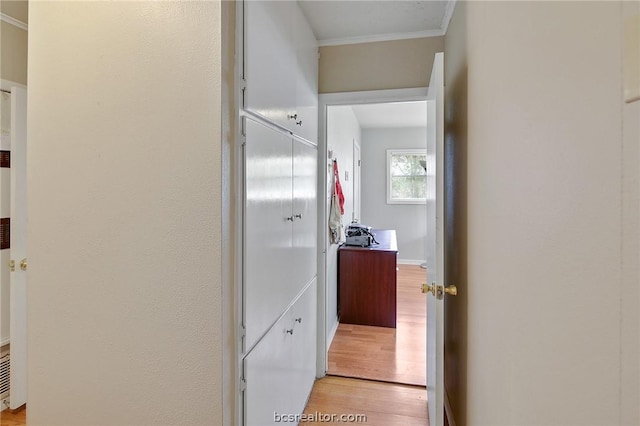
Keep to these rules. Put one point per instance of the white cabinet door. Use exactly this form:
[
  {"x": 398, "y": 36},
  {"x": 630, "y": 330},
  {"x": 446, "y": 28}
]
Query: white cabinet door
[
  {"x": 270, "y": 60},
  {"x": 267, "y": 229},
  {"x": 304, "y": 256},
  {"x": 280, "y": 371},
  {"x": 306, "y": 79},
  {"x": 303, "y": 363}
]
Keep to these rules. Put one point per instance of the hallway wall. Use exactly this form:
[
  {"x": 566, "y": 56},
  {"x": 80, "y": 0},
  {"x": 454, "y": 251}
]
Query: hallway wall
[
  {"x": 125, "y": 311},
  {"x": 397, "y": 64}
]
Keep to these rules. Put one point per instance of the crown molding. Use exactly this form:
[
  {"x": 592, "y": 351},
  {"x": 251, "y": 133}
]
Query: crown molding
[
  {"x": 448, "y": 13},
  {"x": 13, "y": 21},
  {"x": 380, "y": 37}
]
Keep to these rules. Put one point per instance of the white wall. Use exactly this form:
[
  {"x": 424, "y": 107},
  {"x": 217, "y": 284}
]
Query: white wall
[
  {"x": 342, "y": 129},
  {"x": 630, "y": 291},
  {"x": 551, "y": 337},
  {"x": 124, "y": 213},
  {"x": 409, "y": 220}
]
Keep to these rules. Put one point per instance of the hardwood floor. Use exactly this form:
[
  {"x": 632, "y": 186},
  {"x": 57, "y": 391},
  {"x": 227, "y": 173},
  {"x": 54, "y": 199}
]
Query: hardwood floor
[
  {"x": 18, "y": 418},
  {"x": 386, "y": 354},
  {"x": 384, "y": 404}
]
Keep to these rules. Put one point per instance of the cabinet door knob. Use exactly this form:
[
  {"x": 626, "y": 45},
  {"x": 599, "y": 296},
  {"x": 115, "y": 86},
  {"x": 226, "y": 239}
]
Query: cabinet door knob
[
  {"x": 292, "y": 117},
  {"x": 299, "y": 123},
  {"x": 290, "y": 331},
  {"x": 23, "y": 264},
  {"x": 299, "y": 216},
  {"x": 298, "y": 320},
  {"x": 290, "y": 218}
]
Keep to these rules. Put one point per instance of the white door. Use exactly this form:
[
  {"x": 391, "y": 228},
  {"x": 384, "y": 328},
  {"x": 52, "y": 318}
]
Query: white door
[
  {"x": 435, "y": 248},
  {"x": 356, "y": 181},
  {"x": 18, "y": 281}
]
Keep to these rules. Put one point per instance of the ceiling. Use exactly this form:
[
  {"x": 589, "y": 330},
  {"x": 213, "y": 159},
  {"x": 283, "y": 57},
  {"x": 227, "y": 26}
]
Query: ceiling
[
  {"x": 359, "y": 21},
  {"x": 388, "y": 115}
]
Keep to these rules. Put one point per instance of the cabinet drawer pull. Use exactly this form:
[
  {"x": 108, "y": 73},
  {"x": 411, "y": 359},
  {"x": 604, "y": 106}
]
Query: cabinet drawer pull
[
  {"x": 298, "y": 320},
  {"x": 290, "y": 218},
  {"x": 290, "y": 331},
  {"x": 299, "y": 123},
  {"x": 299, "y": 216},
  {"x": 292, "y": 117}
]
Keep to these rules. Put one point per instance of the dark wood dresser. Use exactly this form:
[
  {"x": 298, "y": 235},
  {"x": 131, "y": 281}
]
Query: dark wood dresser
[{"x": 367, "y": 282}]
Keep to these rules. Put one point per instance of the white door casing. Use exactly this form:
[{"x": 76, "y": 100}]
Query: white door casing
[
  {"x": 356, "y": 181},
  {"x": 18, "y": 281},
  {"x": 435, "y": 242}
]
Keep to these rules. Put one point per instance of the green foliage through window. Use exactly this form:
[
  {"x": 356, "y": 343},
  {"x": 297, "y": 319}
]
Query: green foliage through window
[{"x": 407, "y": 176}]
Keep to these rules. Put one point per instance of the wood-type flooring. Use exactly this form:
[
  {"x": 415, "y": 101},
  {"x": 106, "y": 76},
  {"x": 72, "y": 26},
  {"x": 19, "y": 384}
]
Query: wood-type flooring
[{"x": 387, "y": 354}]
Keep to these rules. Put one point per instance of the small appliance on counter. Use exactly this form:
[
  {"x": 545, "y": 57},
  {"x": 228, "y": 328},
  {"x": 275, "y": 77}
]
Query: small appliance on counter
[{"x": 359, "y": 235}]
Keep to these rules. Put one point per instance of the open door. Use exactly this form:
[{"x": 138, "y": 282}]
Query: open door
[
  {"x": 18, "y": 268},
  {"x": 435, "y": 246}
]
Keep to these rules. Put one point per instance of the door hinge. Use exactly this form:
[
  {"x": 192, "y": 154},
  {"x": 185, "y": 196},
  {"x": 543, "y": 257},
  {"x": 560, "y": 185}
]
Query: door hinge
[
  {"x": 243, "y": 334},
  {"x": 243, "y": 88},
  {"x": 243, "y": 130},
  {"x": 243, "y": 384},
  {"x": 359, "y": 163}
]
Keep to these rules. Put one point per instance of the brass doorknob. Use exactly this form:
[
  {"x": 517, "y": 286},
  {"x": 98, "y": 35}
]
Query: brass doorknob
[
  {"x": 451, "y": 290},
  {"x": 429, "y": 288},
  {"x": 438, "y": 290},
  {"x": 23, "y": 264}
]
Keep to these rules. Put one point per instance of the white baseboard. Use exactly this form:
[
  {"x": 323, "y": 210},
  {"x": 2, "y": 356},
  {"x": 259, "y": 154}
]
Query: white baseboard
[
  {"x": 332, "y": 334},
  {"x": 409, "y": 262}
]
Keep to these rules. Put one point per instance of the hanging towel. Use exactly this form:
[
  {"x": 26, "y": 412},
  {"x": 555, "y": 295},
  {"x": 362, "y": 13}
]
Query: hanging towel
[
  {"x": 336, "y": 226},
  {"x": 338, "y": 188},
  {"x": 335, "y": 221}
]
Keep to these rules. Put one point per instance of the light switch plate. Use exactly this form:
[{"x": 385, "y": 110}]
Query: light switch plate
[{"x": 631, "y": 58}]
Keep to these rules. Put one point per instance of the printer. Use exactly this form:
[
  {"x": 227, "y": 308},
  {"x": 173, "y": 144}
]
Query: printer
[{"x": 359, "y": 235}]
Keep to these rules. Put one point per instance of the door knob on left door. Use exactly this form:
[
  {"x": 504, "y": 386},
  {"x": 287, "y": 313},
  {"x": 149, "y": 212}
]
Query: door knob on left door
[
  {"x": 429, "y": 288},
  {"x": 23, "y": 264}
]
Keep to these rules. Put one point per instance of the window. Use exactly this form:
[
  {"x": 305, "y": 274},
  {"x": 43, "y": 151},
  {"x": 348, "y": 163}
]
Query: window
[{"x": 406, "y": 176}]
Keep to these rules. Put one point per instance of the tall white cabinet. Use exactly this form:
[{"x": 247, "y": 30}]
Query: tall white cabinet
[{"x": 279, "y": 112}]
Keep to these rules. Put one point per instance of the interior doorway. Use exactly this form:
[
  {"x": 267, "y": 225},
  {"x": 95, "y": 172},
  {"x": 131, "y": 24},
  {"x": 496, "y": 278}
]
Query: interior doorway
[{"x": 365, "y": 125}]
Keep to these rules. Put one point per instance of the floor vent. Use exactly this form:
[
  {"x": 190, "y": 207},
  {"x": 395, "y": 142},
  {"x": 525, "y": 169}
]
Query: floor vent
[{"x": 5, "y": 370}]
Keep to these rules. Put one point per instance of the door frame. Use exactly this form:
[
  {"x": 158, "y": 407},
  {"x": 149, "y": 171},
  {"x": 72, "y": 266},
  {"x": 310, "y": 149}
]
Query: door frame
[
  {"x": 325, "y": 333},
  {"x": 357, "y": 183}
]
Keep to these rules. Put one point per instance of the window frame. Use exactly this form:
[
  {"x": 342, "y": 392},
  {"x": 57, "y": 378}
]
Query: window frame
[{"x": 390, "y": 153}]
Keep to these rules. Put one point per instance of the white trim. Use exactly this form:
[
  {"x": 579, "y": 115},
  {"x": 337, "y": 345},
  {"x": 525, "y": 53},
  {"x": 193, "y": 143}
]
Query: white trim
[
  {"x": 409, "y": 262},
  {"x": 232, "y": 177},
  {"x": 448, "y": 13},
  {"x": 372, "y": 97},
  {"x": 13, "y": 21},
  {"x": 380, "y": 37},
  {"x": 8, "y": 84},
  {"x": 332, "y": 333},
  {"x": 5, "y": 341}
]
